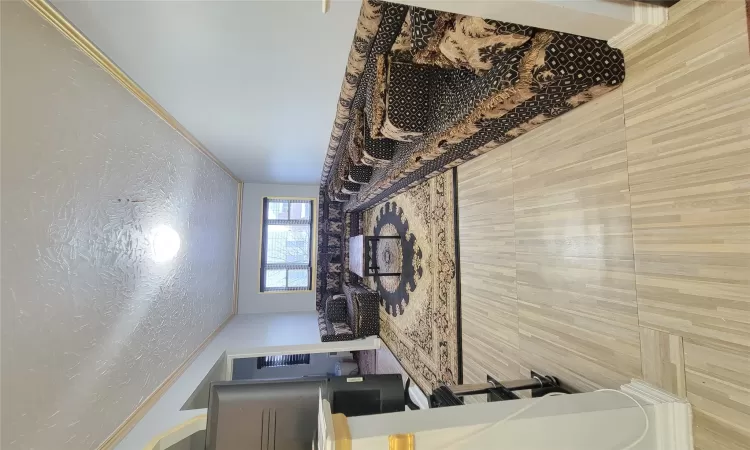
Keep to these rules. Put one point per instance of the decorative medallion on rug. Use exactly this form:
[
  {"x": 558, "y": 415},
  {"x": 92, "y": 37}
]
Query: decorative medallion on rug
[
  {"x": 394, "y": 256},
  {"x": 419, "y": 313}
]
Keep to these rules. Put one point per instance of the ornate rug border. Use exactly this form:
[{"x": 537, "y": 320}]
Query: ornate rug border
[{"x": 457, "y": 244}]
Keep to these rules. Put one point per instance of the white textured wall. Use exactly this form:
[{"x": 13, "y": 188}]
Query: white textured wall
[
  {"x": 251, "y": 301},
  {"x": 91, "y": 325},
  {"x": 267, "y": 74},
  {"x": 600, "y": 19}
]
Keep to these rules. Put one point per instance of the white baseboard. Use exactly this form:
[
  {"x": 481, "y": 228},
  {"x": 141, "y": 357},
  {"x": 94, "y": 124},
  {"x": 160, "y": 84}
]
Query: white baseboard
[
  {"x": 647, "y": 20},
  {"x": 673, "y": 416}
]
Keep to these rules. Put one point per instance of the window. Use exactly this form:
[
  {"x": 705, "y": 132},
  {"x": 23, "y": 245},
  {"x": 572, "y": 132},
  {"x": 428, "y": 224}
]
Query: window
[
  {"x": 286, "y": 253},
  {"x": 282, "y": 360}
]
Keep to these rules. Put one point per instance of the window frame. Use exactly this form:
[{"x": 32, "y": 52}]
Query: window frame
[{"x": 312, "y": 248}]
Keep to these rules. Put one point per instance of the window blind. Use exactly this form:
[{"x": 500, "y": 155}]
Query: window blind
[{"x": 282, "y": 360}]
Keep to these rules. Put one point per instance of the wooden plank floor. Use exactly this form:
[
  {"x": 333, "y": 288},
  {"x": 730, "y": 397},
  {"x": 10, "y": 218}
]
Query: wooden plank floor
[
  {"x": 614, "y": 242},
  {"x": 488, "y": 273},
  {"x": 574, "y": 248}
]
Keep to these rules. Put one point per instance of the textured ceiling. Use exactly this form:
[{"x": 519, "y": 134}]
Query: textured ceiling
[{"x": 255, "y": 81}]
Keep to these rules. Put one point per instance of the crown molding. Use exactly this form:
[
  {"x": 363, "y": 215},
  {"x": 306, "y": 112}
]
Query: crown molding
[
  {"x": 52, "y": 15},
  {"x": 647, "y": 20},
  {"x": 238, "y": 242}
]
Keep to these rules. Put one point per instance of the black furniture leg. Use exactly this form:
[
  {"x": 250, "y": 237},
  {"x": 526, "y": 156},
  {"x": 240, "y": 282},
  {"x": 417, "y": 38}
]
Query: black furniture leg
[{"x": 496, "y": 390}]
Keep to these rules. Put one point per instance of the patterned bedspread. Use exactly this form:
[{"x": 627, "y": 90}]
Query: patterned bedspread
[{"x": 427, "y": 90}]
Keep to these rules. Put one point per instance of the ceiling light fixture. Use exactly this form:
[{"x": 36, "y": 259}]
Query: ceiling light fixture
[{"x": 165, "y": 243}]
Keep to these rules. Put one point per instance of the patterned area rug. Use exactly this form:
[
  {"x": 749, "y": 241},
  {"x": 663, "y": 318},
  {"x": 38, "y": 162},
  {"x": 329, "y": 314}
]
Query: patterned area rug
[{"x": 419, "y": 314}]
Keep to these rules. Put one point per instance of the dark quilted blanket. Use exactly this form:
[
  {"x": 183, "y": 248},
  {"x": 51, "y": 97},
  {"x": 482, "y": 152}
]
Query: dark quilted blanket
[{"x": 427, "y": 90}]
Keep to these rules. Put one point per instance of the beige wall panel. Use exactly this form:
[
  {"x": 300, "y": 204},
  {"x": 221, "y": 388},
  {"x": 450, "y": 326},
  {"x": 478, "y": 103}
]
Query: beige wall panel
[
  {"x": 687, "y": 110},
  {"x": 718, "y": 387},
  {"x": 687, "y": 103},
  {"x": 663, "y": 360}
]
